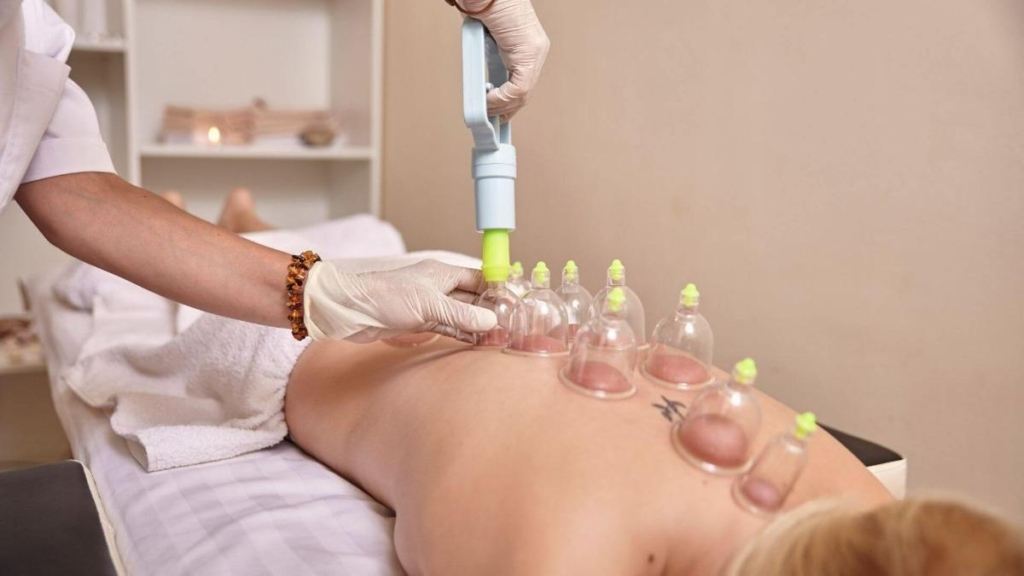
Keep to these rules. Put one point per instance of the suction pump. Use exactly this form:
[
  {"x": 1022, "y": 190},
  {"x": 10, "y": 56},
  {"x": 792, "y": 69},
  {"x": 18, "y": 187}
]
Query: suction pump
[
  {"x": 494, "y": 156},
  {"x": 540, "y": 323},
  {"x": 721, "y": 424},
  {"x": 681, "y": 346},
  {"x": 604, "y": 353}
]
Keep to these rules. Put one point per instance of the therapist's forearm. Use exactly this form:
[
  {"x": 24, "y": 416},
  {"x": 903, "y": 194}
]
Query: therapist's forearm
[{"x": 135, "y": 234}]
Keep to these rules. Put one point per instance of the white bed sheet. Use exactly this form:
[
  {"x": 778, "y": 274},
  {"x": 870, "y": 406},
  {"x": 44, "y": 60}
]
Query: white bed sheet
[{"x": 277, "y": 511}]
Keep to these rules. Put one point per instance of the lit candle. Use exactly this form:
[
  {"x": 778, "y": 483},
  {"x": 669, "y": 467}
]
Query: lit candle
[{"x": 213, "y": 135}]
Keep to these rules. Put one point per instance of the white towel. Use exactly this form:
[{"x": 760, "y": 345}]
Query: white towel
[
  {"x": 212, "y": 392},
  {"x": 187, "y": 387},
  {"x": 359, "y": 236}
]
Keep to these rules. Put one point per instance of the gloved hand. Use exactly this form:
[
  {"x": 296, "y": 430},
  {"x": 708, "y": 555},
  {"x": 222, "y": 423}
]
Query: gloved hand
[
  {"x": 426, "y": 297},
  {"x": 524, "y": 46}
]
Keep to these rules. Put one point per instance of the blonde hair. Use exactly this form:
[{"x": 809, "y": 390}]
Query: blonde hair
[{"x": 929, "y": 536}]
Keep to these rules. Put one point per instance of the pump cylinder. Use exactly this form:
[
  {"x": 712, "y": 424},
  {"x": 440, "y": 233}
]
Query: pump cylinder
[{"x": 494, "y": 176}]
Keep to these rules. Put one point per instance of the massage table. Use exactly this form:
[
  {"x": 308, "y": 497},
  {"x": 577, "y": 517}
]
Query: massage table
[{"x": 276, "y": 511}]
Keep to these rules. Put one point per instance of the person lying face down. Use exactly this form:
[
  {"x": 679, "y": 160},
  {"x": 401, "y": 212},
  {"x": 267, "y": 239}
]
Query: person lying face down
[{"x": 494, "y": 467}]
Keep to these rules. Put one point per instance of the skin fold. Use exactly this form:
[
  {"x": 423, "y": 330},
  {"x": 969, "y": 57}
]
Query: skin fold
[{"x": 493, "y": 466}]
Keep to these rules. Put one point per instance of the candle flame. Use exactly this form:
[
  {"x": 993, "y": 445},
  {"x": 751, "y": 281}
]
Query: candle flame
[{"x": 214, "y": 135}]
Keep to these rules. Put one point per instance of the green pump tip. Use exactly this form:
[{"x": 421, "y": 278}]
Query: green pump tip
[
  {"x": 745, "y": 371},
  {"x": 616, "y": 269},
  {"x": 616, "y": 299},
  {"x": 517, "y": 268},
  {"x": 495, "y": 255},
  {"x": 689, "y": 295},
  {"x": 570, "y": 267},
  {"x": 806, "y": 424}
]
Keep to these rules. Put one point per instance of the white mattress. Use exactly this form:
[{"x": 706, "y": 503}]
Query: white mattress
[{"x": 277, "y": 511}]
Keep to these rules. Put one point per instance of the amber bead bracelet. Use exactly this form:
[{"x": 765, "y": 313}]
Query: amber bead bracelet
[{"x": 295, "y": 286}]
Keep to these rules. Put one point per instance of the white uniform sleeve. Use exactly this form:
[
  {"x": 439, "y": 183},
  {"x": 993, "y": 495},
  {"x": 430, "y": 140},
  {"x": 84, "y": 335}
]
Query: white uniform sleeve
[{"x": 72, "y": 142}]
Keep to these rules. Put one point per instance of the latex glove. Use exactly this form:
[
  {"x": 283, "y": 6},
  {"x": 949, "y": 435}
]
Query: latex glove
[
  {"x": 524, "y": 46},
  {"x": 428, "y": 296}
]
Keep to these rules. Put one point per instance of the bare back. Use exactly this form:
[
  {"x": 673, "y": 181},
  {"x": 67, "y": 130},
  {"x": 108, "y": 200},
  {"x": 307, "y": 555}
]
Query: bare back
[{"x": 494, "y": 467}]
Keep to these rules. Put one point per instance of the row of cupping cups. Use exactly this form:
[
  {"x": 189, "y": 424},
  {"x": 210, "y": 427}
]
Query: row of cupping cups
[{"x": 602, "y": 333}]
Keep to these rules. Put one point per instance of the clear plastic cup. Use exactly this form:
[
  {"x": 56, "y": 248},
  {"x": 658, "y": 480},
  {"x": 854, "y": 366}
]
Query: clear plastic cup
[
  {"x": 681, "y": 347},
  {"x": 603, "y": 354},
  {"x": 635, "y": 317},
  {"x": 502, "y": 301},
  {"x": 576, "y": 298},
  {"x": 764, "y": 489},
  {"x": 721, "y": 424},
  {"x": 539, "y": 324}
]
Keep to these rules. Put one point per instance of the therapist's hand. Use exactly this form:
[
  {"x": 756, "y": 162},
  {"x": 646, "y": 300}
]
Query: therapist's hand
[
  {"x": 524, "y": 46},
  {"x": 425, "y": 297}
]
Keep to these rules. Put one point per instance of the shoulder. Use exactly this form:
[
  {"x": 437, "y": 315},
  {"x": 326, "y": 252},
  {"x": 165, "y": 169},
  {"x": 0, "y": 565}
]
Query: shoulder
[{"x": 45, "y": 32}]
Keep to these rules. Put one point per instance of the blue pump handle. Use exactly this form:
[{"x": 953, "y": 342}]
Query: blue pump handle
[
  {"x": 479, "y": 56},
  {"x": 494, "y": 157}
]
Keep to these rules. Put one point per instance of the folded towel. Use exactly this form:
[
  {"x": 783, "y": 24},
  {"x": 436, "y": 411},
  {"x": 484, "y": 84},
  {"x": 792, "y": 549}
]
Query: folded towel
[
  {"x": 212, "y": 392},
  {"x": 79, "y": 284},
  {"x": 118, "y": 308},
  {"x": 184, "y": 394}
]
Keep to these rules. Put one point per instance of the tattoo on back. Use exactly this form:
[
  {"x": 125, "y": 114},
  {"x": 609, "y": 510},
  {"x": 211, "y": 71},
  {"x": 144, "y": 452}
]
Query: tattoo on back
[{"x": 670, "y": 409}]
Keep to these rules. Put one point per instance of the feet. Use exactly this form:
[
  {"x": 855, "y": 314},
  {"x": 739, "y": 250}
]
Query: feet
[
  {"x": 174, "y": 197},
  {"x": 238, "y": 207},
  {"x": 239, "y": 213}
]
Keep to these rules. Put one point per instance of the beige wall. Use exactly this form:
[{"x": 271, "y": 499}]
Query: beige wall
[{"x": 843, "y": 180}]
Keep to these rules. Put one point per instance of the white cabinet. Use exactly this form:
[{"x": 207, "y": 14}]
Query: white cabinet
[
  {"x": 223, "y": 54},
  {"x": 292, "y": 54}
]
